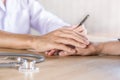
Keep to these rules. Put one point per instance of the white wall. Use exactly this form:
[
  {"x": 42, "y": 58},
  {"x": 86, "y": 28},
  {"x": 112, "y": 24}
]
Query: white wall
[{"x": 105, "y": 14}]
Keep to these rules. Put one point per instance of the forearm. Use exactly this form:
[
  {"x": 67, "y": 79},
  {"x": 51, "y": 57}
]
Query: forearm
[
  {"x": 16, "y": 41},
  {"x": 109, "y": 48}
]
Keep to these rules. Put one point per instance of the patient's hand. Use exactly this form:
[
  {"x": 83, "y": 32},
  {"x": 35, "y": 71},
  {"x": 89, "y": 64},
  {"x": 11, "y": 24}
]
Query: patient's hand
[{"x": 90, "y": 50}]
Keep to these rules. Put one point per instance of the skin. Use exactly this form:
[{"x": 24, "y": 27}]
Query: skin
[
  {"x": 101, "y": 48},
  {"x": 53, "y": 40},
  {"x": 81, "y": 31}
]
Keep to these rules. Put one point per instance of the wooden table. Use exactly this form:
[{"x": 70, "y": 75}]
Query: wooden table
[{"x": 69, "y": 68}]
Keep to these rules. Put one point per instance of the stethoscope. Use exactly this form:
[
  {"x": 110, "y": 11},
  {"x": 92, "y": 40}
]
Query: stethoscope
[{"x": 23, "y": 64}]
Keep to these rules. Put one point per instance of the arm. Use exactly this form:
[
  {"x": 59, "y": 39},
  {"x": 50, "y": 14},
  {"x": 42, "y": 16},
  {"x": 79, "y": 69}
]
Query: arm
[
  {"x": 101, "y": 48},
  {"x": 110, "y": 48},
  {"x": 42, "y": 20},
  {"x": 53, "y": 40},
  {"x": 15, "y": 41},
  {"x": 104, "y": 48}
]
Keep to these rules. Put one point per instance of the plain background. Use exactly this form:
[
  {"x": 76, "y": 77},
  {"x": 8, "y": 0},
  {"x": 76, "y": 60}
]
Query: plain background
[{"x": 104, "y": 14}]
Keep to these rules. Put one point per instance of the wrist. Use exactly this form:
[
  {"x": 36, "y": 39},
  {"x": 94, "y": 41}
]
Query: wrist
[
  {"x": 98, "y": 47},
  {"x": 36, "y": 42},
  {"x": 31, "y": 42}
]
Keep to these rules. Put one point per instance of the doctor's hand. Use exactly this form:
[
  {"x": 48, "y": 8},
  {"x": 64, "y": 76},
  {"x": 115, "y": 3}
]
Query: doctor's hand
[
  {"x": 81, "y": 31},
  {"x": 58, "y": 40}
]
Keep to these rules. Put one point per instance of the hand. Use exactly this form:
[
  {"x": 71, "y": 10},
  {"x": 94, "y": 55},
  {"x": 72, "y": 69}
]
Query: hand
[
  {"x": 58, "y": 40},
  {"x": 101, "y": 48},
  {"x": 80, "y": 30},
  {"x": 92, "y": 49}
]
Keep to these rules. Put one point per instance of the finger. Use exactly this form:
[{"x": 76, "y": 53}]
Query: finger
[
  {"x": 72, "y": 42},
  {"x": 63, "y": 53},
  {"x": 75, "y": 36},
  {"x": 82, "y": 34},
  {"x": 81, "y": 29},
  {"x": 68, "y": 31},
  {"x": 46, "y": 52},
  {"x": 63, "y": 47},
  {"x": 84, "y": 30},
  {"x": 51, "y": 52}
]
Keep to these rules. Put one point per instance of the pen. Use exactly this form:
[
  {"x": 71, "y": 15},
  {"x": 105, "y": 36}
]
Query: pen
[{"x": 82, "y": 22}]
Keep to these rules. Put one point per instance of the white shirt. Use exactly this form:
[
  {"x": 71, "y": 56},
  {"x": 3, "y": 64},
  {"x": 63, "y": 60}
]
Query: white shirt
[{"x": 18, "y": 15}]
